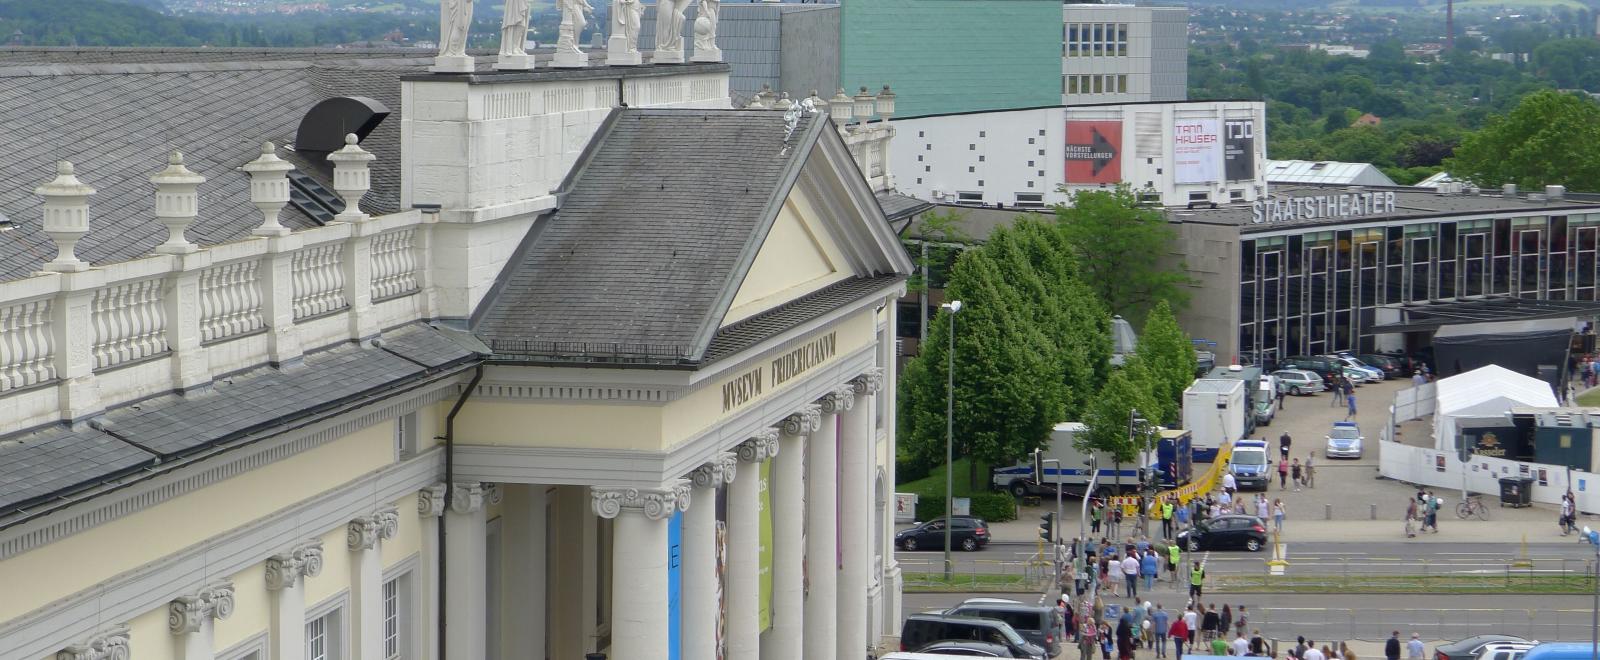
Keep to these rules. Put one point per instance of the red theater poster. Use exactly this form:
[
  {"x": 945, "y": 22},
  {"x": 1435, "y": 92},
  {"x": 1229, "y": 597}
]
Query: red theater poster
[{"x": 1094, "y": 151}]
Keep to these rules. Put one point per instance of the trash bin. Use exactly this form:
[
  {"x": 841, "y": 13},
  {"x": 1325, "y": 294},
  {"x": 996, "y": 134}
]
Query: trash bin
[{"x": 1516, "y": 491}]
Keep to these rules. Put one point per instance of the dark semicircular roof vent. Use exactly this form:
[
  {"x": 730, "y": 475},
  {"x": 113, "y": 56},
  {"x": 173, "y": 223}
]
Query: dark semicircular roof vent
[{"x": 326, "y": 123}]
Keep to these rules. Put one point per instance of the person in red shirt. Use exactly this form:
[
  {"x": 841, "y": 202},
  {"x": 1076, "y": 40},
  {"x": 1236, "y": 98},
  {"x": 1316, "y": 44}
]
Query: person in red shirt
[{"x": 1180, "y": 634}]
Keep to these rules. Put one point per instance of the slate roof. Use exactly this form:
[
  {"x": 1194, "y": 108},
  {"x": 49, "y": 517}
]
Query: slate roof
[
  {"x": 663, "y": 213},
  {"x": 898, "y": 206},
  {"x": 38, "y": 466},
  {"x": 768, "y": 324},
  {"x": 116, "y": 121}
]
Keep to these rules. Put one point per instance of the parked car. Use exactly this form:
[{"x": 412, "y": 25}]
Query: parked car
[
  {"x": 1358, "y": 375},
  {"x": 1298, "y": 381},
  {"x": 1469, "y": 647},
  {"x": 1373, "y": 374},
  {"x": 1504, "y": 650},
  {"x": 1231, "y": 532},
  {"x": 1036, "y": 623},
  {"x": 968, "y": 534},
  {"x": 1344, "y": 440},
  {"x": 933, "y": 655},
  {"x": 920, "y": 630},
  {"x": 952, "y": 648},
  {"x": 1321, "y": 366},
  {"x": 1391, "y": 366},
  {"x": 1560, "y": 651}
]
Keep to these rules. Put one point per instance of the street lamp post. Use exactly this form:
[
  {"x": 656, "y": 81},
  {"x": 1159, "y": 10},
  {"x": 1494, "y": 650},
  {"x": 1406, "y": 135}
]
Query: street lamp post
[{"x": 950, "y": 437}]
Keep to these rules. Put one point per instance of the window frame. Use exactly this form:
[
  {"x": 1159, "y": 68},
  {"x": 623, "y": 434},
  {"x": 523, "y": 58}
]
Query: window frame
[
  {"x": 252, "y": 648},
  {"x": 335, "y": 611}
]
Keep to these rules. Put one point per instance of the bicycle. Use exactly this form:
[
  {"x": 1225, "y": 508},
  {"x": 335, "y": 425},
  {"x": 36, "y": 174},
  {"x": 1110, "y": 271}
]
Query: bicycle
[{"x": 1472, "y": 506}]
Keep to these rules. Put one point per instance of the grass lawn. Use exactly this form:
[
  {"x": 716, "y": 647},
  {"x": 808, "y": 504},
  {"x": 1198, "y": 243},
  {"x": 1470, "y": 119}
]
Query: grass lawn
[
  {"x": 1591, "y": 398},
  {"x": 1390, "y": 584},
  {"x": 934, "y": 482},
  {"x": 966, "y": 583}
]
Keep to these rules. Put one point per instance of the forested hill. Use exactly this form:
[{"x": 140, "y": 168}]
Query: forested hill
[{"x": 107, "y": 23}]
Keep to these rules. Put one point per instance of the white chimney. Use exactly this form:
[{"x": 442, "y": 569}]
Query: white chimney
[
  {"x": 1508, "y": 190},
  {"x": 1555, "y": 192}
]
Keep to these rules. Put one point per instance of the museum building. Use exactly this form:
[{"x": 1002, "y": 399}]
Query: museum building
[{"x": 384, "y": 363}]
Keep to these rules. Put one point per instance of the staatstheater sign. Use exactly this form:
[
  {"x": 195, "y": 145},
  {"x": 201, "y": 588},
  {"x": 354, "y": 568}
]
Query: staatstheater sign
[{"x": 1342, "y": 206}]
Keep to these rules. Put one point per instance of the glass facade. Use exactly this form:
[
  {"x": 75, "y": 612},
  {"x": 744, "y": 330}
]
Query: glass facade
[{"x": 1320, "y": 291}]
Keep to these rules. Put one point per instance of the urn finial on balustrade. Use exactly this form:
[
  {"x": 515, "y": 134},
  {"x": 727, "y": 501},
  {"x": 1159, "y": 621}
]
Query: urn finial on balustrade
[
  {"x": 269, "y": 189},
  {"x": 352, "y": 177},
  {"x": 177, "y": 203},
  {"x": 66, "y": 216}
]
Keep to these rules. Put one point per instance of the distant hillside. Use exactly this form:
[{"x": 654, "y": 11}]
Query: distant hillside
[{"x": 100, "y": 23}]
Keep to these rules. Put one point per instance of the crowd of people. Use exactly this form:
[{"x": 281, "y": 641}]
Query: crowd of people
[{"x": 1094, "y": 625}]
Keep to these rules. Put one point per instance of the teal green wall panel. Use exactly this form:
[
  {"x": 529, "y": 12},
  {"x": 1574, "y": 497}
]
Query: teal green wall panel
[{"x": 945, "y": 56}]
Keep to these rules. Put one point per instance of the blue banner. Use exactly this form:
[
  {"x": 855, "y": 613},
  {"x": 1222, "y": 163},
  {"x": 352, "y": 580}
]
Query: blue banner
[{"x": 675, "y": 587}]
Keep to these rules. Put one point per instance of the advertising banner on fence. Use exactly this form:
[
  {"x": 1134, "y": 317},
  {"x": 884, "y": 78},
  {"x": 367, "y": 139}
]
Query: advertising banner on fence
[
  {"x": 1239, "y": 149},
  {"x": 1094, "y": 152},
  {"x": 1196, "y": 151}
]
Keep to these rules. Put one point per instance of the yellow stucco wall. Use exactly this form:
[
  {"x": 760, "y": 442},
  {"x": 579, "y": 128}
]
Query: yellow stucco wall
[
  {"x": 252, "y": 608},
  {"x": 559, "y": 424},
  {"x": 407, "y": 539},
  {"x": 335, "y": 575},
  {"x": 149, "y": 638},
  {"x": 36, "y": 578},
  {"x": 797, "y": 258}
]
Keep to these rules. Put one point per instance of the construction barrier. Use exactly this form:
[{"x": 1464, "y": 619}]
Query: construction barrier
[{"x": 1196, "y": 487}]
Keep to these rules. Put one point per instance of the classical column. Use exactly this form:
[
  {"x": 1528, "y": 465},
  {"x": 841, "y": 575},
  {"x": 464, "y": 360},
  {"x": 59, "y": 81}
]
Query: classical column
[
  {"x": 857, "y": 444},
  {"x": 788, "y": 537},
  {"x": 699, "y": 603},
  {"x": 744, "y": 547},
  {"x": 364, "y": 535},
  {"x": 109, "y": 644},
  {"x": 285, "y": 579},
  {"x": 639, "y": 565},
  {"x": 822, "y": 545},
  {"x": 191, "y": 619},
  {"x": 466, "y": 584},
  {"x": 430, "y": 508}
]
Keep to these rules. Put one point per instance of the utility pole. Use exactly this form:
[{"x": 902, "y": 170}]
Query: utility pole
[{"x": 950, "y": 438}]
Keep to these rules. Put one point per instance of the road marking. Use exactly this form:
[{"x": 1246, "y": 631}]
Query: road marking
[{"x": 1283, "y": 554}]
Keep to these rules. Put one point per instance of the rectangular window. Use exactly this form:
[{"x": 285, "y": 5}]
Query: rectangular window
[
  {"x": 405, "y": 436},
  {"x": 1072, "y": 88},
  {"x": 969, "y": 197},
  {"x": 391, "y": 619},
  {"x": 1235, "y": 195},
  {"x": 1029, "y": 200},
  {"x": 1199, "y": 196},
  {"x": 325, "y": 632},
  {"x": 1122, "y": 83},
  {"x": 1099, "y": 84},
  {"x": 1072, "y": 40},
  {"x": 1099, "y": 39},
  {"x": 1122, "y": 40}
]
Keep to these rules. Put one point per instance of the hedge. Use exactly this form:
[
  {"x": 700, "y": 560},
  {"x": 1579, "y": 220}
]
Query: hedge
[{"x": 992, "y": 507}]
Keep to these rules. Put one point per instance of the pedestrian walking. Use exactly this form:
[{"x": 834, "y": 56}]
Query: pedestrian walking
[
  {"x": 1114, "y": 521},
  {"x": 1097, "y": 510},
  {"x": 1351, "y": 413},
  {"x": 1179, "y": 632},
  {"x": 1391, "y": 646},
  {"x": 1191, "y": 619},
  {"x": 1310, "y": 473},
  {"x": 1229, "y": 484},
  {"x": 1167, "y": 511},
  {"x": 1294, "y": 473},
  {"x": 1086, "y": 638},
  {"x": 1277, "y": 515},
  {"x": 1414, "y": 647},
  {"x": 1160, "y": 626},
  {"x": 1108, "y": 640},
  {"x": 1209, "y": 621},
  {"x": 1283, "y": 445},
  {"x": 1411, "y": 517},
  {"x": 1147, "y": 569},
  {"x": 1197, "y": 581},
  {"x": 1241, "y": 621},
  {"x": 1225, "y": 620},
  {"x": 1125, "y": 638},
  {"x": 1336, "y": 385},
  {"x": 1261, "y": 506},
  {"x": 1130, "y": 574},
  {"x": 1433, "y": 511},
  {"x": 1283, "y": 474},
  {"x": 1173, "y": 559}
]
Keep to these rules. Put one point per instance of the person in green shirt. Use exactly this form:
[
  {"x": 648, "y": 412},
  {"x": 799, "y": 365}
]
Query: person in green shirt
[
  {"x": 1219, "y": 646},
  {"x": 1173, "y": 559}
]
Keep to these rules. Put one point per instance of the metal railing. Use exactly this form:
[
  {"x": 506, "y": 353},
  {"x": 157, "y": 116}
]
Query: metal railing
[
  {"x": 1375, "y": 624},
  {"x": 1449, "y": 576},
  {"x": 978, "y": 574}
]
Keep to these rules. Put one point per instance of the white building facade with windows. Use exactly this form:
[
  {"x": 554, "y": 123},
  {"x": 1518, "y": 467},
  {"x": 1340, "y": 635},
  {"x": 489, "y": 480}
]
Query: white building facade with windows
[{"x": 1113, "y": 53}]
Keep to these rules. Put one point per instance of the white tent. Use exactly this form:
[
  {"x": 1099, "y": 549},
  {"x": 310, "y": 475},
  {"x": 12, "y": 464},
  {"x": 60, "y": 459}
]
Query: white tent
[{"x": 1486, "y": 393}]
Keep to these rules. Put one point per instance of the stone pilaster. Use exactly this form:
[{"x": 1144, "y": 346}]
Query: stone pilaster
[
  {"x": 286, "y": 573},
  {"x": 192, "y": 618},
  {"x": 857, "y": 447},
  {"x": 466, "y": 551},
  {"x": 364, "y": 536},
  {"x": 822, "y": 549},
  {"x": 700, "y": 606},
  {"x": 639, "y": 564},
  {"x": 744, "y": 546}
]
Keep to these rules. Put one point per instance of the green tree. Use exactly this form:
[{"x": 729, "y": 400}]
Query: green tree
[
  {"x": 1549, "y": 138},
  {"x": 1123, "y": 251},
  {"x": 1567, "y": 62},
  {"x": 1165, "y": 350},
  {"x": 1128, "y": 389}
]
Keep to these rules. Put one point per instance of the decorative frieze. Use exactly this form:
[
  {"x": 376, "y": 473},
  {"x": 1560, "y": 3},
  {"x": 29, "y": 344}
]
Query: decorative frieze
[
  {"x": 838, "y": 401},
  {"x": 655, "y": 503},
  {"x": 806, "y": 421},
  {"x": 717, "y": 471},
  {"x": 869, "y": 382},
  {"x": 185, "y": 614},
  {"x": 762, "y": 446},
  {"x": 364, "y": 533},
  {"x": 285, "y": 570},
  {"x": 110, "y": 644}
]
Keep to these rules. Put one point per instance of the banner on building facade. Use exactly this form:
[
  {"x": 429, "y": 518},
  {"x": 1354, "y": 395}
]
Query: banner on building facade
[
  {"x": 1239, "y": 149},
  {"x": 675, "y": 587},
  {"x": 1196, "y": 151},
  {"x": 764, "y": 609},
  {"x": 1094, "y": 152}
]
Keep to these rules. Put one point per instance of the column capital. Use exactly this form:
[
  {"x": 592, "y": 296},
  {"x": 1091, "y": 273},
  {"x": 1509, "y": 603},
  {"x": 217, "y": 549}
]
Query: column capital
[
  {"x": 804, "y": 421},
  {"x": 185, "y": 614},
  {"x": 466, "y": 497},
  {"x": 717, "y": 471},
  {"x": 284, "y": 570},
  {"x": 655, "y": 503},
  {"x": 108, "y": 644},
  {"x": 762, "y": 446},
  {"x": 364, "y": 533},
  {"x": 839, "y": 400},
  {"x": 869, "y": 382},
  {"x": 430, "y": 501}
]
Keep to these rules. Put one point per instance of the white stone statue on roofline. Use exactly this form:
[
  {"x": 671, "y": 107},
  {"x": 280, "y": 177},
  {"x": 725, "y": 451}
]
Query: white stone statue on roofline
[
  {"x": 623, "y": 47},
  {"x": 705, "y": 32},
  {"x": 455, "y": 22},
  {"x": 669, "y": 31},
  {"x": 513, "y": 34},
  {"x": 573, "y": 20}
]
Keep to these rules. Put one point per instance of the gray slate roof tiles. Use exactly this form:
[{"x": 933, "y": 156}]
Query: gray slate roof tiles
[
  {"x": 58, "y": 459},
  {"x": 664, "y": 211}
]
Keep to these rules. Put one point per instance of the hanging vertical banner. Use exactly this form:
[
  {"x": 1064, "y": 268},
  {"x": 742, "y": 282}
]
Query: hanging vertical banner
[
  {"x": 764, "y": 609},
  {"x": 675, "y": 587},
  {"x": 1094, "y": 152},
  {"x": 1239, "y": 149},
  {"x": 1196, "y": 151},
  {"x": 722, "y": 570}
]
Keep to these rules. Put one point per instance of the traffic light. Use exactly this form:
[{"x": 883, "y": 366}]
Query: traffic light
[
  {"x": 1038, "y": 467},
  {"x": 1047, "y": 526}
]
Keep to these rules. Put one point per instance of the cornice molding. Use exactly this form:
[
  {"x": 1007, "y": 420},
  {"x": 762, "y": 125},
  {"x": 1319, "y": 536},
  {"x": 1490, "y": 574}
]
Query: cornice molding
[
  {"x": 284, "y": 570},
  {"x": 110, "y": 644},
  {"x": 618, "y": 392},
  {"x": 186, "y": 614},
  {"x": 365, "y": 532}
]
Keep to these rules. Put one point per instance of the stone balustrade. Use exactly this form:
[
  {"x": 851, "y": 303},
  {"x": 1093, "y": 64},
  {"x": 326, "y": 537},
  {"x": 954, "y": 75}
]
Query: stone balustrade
[{"x": 75, "y": 339}]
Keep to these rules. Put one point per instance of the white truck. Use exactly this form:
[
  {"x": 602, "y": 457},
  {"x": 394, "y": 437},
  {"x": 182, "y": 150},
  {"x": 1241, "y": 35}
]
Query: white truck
[
  {"x": 1214, "y": 412},
  {"x": 1073, "y": 473}
]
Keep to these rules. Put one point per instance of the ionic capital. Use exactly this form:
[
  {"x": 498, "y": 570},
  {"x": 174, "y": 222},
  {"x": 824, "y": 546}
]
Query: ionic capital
[
  {"x": 760, "y": 447},
  {"x": 838, "y": 401},
  {"x": 185, "y": 614},
  {"x": 466, "y": 497},
  {"x": 869, "y": 382},
  {"x": 803, "y": 422},
  {"x": 654, "y": 503},
  {"x": 364, "y": 533},
  {"x": 717, "y": 471},
  {"x": 493, "y": 493},
  {"x": 110, "y": 644},
  {"x": 285, "y": 570},
  {"x": 430, "y": 501}
]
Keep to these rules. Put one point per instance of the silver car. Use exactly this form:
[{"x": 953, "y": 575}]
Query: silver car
[
  {"x": 1344, "y": 440},
  {"x": 1298, "y": 381}
]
